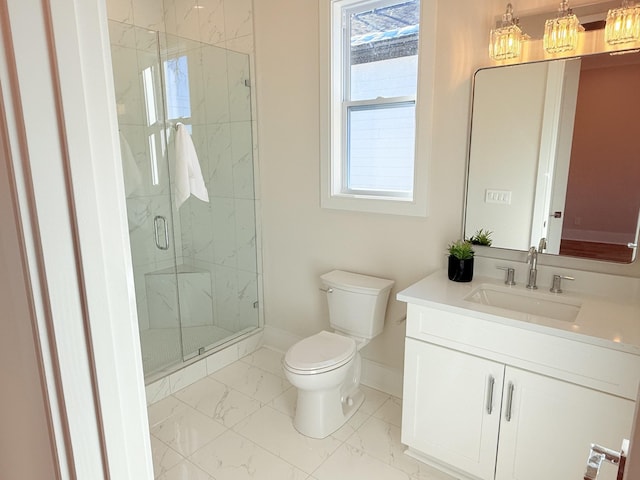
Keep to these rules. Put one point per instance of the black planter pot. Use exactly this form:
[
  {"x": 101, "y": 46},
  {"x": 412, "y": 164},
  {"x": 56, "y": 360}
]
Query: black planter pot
[{"x": 460, "y": 270}]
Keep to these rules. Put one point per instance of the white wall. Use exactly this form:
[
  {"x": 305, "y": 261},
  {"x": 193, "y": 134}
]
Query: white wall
[{"x": 301, "y": 240}]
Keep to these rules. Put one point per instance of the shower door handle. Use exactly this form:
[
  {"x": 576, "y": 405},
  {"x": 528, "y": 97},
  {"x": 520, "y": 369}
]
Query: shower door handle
[{"x": 161, "y": 222}]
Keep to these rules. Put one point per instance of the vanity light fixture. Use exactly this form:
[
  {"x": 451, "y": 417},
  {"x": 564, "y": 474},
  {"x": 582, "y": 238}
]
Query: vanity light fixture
[
  {"x": 505, "y": 41},
  {"x": 561, "y": 33},
  {"x": 623, "y": 24}
]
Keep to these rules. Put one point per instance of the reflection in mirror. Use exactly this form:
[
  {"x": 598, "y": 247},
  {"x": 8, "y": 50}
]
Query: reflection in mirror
[{"x": 555, "y": 154}]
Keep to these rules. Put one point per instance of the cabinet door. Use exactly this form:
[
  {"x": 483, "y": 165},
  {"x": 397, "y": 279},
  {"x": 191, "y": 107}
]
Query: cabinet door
[
  {"x": 451, "y": 407},
  {"x": 552, "y": 425}
]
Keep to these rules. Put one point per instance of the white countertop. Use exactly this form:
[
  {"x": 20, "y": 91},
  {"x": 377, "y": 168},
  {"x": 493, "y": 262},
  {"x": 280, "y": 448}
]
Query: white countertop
[{"x": 610, "y": 324}]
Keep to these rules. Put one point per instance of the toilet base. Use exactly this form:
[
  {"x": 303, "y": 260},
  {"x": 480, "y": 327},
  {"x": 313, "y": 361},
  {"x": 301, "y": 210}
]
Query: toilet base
[{"x": 319, "y": 414}]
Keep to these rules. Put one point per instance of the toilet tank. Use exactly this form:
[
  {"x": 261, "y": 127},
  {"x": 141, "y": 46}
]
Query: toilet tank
[{"x": 357, "y": 303}]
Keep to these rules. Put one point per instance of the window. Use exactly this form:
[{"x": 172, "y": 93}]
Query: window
[
  {"x": 371, "y": 72},
  {"x": 176, "y": 74}
]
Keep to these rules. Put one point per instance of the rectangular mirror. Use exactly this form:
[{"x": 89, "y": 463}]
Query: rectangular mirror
[{"x": 555, "y": 154}]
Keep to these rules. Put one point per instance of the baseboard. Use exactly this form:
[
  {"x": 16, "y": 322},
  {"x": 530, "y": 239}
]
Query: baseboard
[
  {"x": 382, "y": 377},
  {"x": 278, "y": 339}
]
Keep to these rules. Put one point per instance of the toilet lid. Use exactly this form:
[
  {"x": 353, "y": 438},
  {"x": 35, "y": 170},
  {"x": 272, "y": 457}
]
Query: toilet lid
[{"x": 319, "y": 351}]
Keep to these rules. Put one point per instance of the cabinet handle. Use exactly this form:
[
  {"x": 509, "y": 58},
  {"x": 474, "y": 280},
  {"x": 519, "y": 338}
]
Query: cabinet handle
[
  {"x": 507, "y": 413},
  {"x": 491, "y": 382}
]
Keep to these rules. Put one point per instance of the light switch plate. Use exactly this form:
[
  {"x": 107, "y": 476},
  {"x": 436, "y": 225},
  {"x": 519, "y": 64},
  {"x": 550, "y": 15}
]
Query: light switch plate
[{"x": 502, "y": 197}]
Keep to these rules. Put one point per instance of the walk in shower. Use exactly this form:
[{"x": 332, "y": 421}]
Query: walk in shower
[{"x": 194, "y": 262}]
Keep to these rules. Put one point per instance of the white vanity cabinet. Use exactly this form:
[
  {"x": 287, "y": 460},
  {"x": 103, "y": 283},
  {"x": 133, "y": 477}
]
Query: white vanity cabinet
[
  {"x": 552, "y": 424},
  {"x": 488, "y": 400},
  {"x": 451, "y": 406}
]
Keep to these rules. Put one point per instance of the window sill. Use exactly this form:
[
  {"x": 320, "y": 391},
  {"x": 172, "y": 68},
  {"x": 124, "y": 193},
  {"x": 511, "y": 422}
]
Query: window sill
[{"x": 371, "y": 204}]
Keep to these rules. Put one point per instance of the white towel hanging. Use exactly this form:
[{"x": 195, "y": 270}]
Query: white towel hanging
[{"x": 188, "y": 178}]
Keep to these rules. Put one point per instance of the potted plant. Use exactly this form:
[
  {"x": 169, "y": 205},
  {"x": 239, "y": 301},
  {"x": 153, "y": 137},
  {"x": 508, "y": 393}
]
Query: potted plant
[
  {"x": 461, "y": 261},
  {"x": 481, "y": 237}
]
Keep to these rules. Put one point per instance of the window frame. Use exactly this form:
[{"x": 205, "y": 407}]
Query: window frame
[
  {"x": 349, "y": 106},
  {"x": 333, "y": 114}
]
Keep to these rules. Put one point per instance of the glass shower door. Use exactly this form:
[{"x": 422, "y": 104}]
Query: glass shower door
[
  {"x": 194, "y": 252},
  {"x": 207, "y": 89},
  {"x": 141, "y": 121}
]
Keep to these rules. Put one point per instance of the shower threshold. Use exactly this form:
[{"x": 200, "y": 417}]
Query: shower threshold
[{"x": 161, "y": 355}]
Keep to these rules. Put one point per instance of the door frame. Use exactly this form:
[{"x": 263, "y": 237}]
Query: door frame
[{"x": 61, "y": 132}]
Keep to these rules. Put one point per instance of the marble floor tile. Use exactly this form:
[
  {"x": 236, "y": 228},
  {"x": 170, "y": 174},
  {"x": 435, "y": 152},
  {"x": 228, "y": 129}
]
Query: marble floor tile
[
  {"x": 253, "y": 381},
  {"x": 187, "y": 431},
  {"x": 381, "y": 440},
  {"x": 164, "y": 457},
  {"x": 237, "y": 424},
  {"x": 185, "y": 470},
  {"x": 274, "y": 431},
  {"x": 266, "y": 359},
  {"x": 218, "y": 401},
  {"x": 286, "y": 402},
  {"x": 390, "y": 411},
  {"x": 350, "y": 463},
  {"x": 373, "y": 399},
  {"x": 344, "y": 432},
  {"x": 233, "y": 457},
  {"x": 163, "y": 409}
]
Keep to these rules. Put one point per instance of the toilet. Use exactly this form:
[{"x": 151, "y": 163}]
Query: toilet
[{"x": 325, "y": 367}]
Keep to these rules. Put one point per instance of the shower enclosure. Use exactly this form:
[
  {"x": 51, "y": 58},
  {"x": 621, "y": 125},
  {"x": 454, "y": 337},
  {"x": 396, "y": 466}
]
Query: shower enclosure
[{"x": 194, "y": 263}]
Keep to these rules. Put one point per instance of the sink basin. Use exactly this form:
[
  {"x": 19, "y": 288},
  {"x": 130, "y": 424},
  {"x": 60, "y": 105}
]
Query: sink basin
[{"x": 533, "y": 303}]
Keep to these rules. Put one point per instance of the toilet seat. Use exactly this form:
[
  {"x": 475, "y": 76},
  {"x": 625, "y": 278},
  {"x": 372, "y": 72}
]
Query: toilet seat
[{"x": 320, "y": 353}]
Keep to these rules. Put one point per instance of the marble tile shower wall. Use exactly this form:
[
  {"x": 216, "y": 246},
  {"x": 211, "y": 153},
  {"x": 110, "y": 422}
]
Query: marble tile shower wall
[
  {"x": 223, "y": 23},
  {"x": 219, "y": 237}
]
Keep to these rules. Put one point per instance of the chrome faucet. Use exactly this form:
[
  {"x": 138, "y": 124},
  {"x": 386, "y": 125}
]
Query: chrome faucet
[
  {"x": 532, "y": 261},
  {"x": 556, "y": 286}
]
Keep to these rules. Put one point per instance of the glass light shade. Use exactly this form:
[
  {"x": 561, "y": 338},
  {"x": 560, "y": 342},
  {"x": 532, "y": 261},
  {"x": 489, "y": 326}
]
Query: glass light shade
[
  {"x": 623, "y": 24},
  {"x": 561, "y": 34},
  {"x": 505, "y": 42}
]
